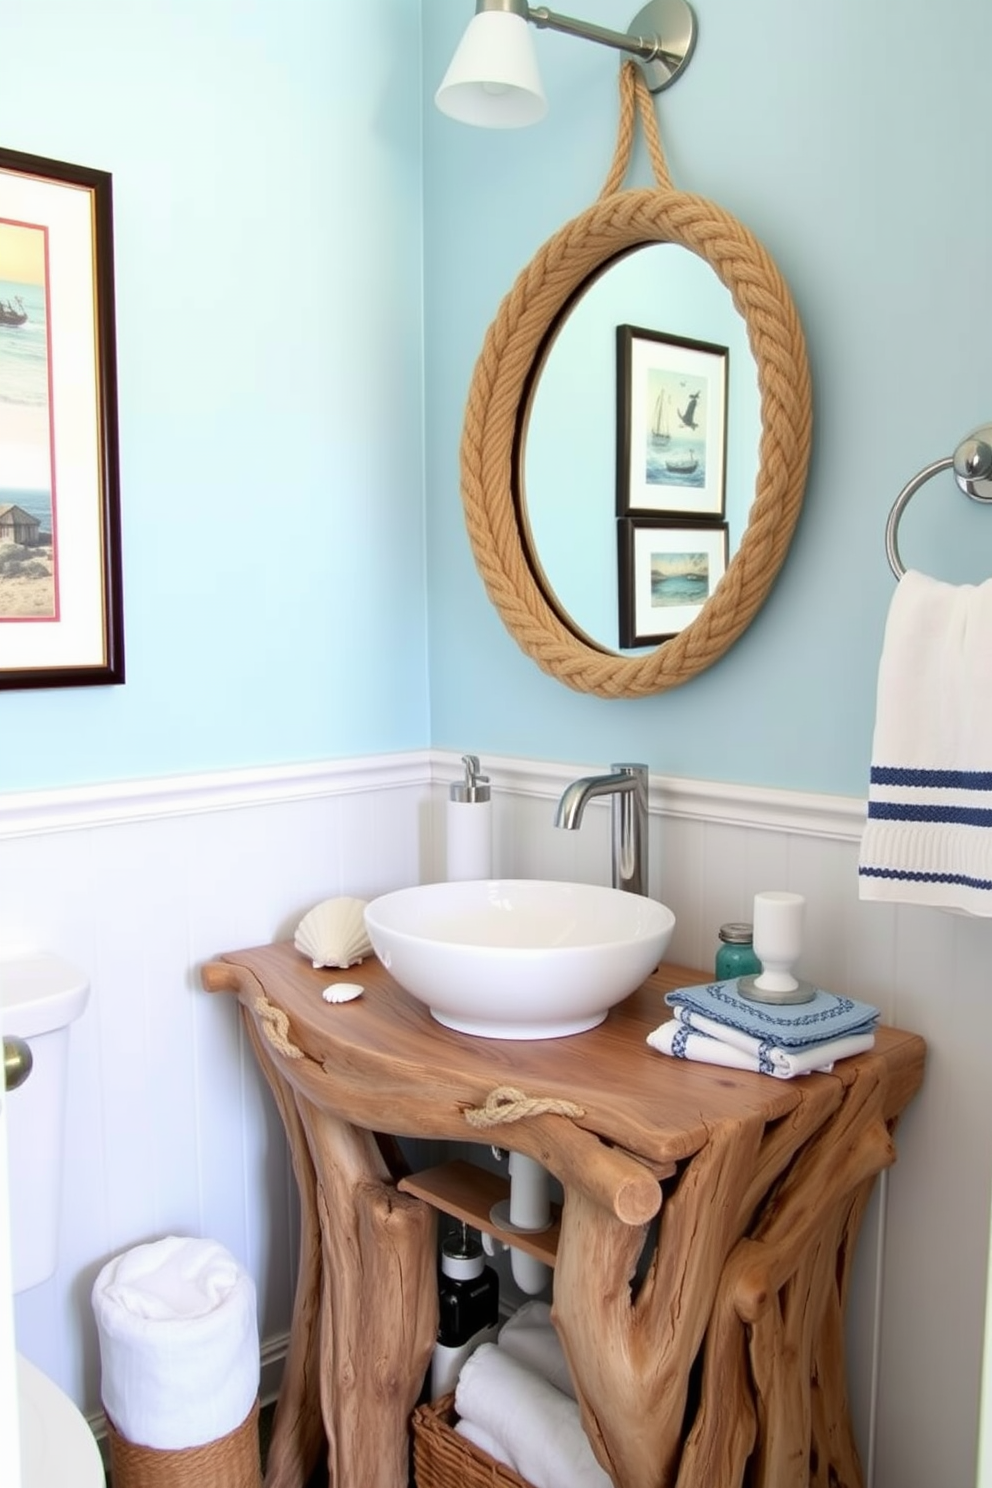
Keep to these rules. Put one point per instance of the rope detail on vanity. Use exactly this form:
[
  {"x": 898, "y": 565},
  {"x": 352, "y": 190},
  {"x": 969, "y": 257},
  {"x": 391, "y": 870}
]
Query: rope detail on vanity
[
  {"x": 506, "y": 1103},
  {"x": 275, "y": 1026}
]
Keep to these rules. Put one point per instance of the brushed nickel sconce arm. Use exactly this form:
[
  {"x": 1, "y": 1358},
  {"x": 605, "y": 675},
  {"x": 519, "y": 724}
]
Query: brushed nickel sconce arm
[{"x": 661, "y": 36}]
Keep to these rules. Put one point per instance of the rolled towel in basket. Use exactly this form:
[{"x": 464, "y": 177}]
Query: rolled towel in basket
[
  {"x": 481, "y": 1439},
  {"x": 536, "y": 1429},
  {"x": 179, "y": 1348},
  {"x": 532, "y": 1339}
]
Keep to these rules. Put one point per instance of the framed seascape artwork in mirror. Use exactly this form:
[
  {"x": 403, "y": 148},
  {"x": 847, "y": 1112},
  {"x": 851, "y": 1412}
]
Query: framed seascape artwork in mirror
[
  {"x": 667, "y": 571},
  {"x": 554, "y": 460}
]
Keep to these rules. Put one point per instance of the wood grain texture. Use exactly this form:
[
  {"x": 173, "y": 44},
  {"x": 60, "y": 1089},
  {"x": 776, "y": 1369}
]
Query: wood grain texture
[
  {"x": 707, "y": 1230},
  {"x": 379, "y": 1308},
  {"x": 297, "y": 1436}
]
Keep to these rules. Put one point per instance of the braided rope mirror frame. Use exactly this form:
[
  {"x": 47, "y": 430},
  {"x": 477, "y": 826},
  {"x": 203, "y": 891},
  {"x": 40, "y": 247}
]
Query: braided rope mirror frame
[{"x": 615, "y": 225}]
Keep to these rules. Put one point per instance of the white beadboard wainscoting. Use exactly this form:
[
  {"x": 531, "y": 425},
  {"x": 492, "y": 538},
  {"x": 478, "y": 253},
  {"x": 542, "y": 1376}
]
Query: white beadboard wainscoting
[
  {"x": 170, "y": 1128},
  {"x": 172, "y": 1131}
]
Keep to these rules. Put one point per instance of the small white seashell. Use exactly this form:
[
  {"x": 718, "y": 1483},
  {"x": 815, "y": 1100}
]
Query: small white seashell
[
  {"x": 342, "y": 992},
  {"x": 333, "y": 933}
]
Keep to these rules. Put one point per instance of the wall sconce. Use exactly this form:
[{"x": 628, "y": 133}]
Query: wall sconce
[{"x": 493, "y": 79}]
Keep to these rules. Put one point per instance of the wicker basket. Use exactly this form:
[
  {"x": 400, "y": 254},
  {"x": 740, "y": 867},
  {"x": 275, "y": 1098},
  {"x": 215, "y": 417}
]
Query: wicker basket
[
  {"x": 233, "y": 1461},
  {"x": 443, "y": 1459}
]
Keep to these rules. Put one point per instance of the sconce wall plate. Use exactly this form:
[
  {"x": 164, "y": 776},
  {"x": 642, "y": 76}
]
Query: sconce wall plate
[{"x": 673, "y": 25}]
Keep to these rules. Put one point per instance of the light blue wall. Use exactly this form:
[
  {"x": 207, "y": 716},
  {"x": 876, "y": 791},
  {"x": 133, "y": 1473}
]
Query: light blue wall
[
  {"x": 273, "y": 467},
  {"x": 267, "y": 155},
  {"x": 855, "y": 143}
]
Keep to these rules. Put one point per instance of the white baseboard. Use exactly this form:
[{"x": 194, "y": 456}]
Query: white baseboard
[{"x": 272, "y": 1359}]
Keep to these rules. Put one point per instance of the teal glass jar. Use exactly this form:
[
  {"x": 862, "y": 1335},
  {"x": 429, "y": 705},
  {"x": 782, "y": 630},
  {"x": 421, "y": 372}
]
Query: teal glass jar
[{"x": 735, "y": 956}]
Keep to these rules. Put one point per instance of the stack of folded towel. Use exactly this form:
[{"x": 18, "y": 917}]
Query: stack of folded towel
[
  {"x": 516, "y": 1402},
  {"x": 715, "y": 1024}
]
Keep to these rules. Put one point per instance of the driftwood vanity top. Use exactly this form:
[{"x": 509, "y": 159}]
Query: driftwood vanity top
[
  {"x": 722, "y": 1363},
  {"x": 387, "y": 1046}
]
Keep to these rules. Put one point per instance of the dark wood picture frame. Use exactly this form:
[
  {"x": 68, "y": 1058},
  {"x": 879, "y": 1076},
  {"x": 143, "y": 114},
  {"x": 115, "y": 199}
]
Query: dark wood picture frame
[
  {"x": 671, "y": 425},
  {"x": 667, "y": 572},
  {"x": 61, "y": 605}
]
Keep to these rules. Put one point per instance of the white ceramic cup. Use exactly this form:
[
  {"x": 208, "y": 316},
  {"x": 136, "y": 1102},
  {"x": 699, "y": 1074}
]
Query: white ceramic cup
[{"x": 778, "y": 939}]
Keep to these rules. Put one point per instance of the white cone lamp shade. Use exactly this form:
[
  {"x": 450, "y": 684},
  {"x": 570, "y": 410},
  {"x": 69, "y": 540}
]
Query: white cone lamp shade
[{"x": 493, "y": 79}]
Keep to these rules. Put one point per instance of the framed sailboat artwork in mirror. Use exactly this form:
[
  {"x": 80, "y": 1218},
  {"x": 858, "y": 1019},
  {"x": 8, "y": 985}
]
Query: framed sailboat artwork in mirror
[
  {"x": 61, "y": 608},
  {"x": 671, "y": 425}
]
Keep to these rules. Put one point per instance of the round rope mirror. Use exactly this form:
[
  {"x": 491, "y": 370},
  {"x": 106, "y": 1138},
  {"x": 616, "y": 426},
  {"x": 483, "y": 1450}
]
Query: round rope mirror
[{"x": 617, "y": 223}]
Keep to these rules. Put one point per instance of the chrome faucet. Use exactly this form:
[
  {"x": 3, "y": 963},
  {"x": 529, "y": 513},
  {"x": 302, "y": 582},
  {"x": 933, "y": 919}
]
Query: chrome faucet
[{"x": 628, "y": 785}]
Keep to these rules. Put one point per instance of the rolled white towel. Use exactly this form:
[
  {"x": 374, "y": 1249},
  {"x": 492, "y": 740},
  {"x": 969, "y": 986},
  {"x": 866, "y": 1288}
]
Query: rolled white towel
[
  {"x": 537, "y": 1429},
  {"x": 481, "y": 1439},
  {"x": 179, "y": 1348},
  {"x": 532, "y": 1339}
]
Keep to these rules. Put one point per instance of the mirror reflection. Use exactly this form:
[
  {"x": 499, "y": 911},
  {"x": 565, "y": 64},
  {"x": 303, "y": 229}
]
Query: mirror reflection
[{"x": 567, "y": 469}]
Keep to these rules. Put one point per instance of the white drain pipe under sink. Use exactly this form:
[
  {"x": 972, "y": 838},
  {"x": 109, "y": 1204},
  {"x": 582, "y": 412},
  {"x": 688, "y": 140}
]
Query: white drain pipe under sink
[{"x": 528, "y": 1211}]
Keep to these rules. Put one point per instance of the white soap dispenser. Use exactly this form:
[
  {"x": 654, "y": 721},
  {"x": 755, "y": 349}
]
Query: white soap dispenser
[{"x": 470, "y": 825}]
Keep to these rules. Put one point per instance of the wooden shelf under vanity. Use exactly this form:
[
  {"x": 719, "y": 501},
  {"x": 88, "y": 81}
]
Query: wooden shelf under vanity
[{"x": 468, "y": 1193}]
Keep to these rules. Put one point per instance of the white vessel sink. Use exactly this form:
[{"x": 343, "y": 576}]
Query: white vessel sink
[{"x": 518, "y": 958}]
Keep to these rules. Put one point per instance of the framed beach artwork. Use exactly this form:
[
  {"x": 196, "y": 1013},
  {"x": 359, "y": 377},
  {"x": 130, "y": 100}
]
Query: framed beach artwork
[
  {"x": 667, "y": 572},
  {"x": 61, "y": 605},
  {"x": 671, "y": 425}
]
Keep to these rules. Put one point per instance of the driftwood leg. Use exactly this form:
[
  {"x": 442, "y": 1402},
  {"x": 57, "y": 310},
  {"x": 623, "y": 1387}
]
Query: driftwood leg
[
  {"x": 722, "y": 1438},
  {"x": 631, "y": 1358},
  {"x": 781, "y": 1142},
  {"x": 753, "y": 1256},
  {"x": 790, "y": 1294},
  {"x": 850, "y": 1148},
  {"x": 378, "y": 1304},
  {"x": 297, "y": 1439},
  {"x": 781, "y": 1345},
  {"x": 832, "y": 1434}
]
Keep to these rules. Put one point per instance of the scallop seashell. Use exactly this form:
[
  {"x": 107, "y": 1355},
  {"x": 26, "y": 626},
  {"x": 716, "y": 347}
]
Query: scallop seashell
[
  {"x": 342, "y": 992},
  {"x": 333, "y": 933}
]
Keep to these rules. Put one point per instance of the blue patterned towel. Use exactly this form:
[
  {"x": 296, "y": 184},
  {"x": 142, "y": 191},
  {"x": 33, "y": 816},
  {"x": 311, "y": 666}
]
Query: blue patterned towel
[
  {"x": 928, "y": 836},
  {"x": 786, "y": 1025}
]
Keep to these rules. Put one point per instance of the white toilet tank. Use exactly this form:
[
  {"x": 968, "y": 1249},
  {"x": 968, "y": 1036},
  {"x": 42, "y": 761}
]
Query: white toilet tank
[{"x": 40, "y": 996}]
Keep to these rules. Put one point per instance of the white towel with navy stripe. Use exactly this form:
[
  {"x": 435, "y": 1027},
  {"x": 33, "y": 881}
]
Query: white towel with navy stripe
[
  {"x": 928, "y": 837},
  {"x": 715, "y": 1024}
]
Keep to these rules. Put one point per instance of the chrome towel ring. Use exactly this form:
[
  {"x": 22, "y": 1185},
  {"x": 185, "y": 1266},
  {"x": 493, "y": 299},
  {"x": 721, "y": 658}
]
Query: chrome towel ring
[{"x": 972, "y": 462}]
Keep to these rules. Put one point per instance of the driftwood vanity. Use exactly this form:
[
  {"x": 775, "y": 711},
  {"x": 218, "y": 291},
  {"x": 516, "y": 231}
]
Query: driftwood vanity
[{"x": 723, "y": 1365}]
